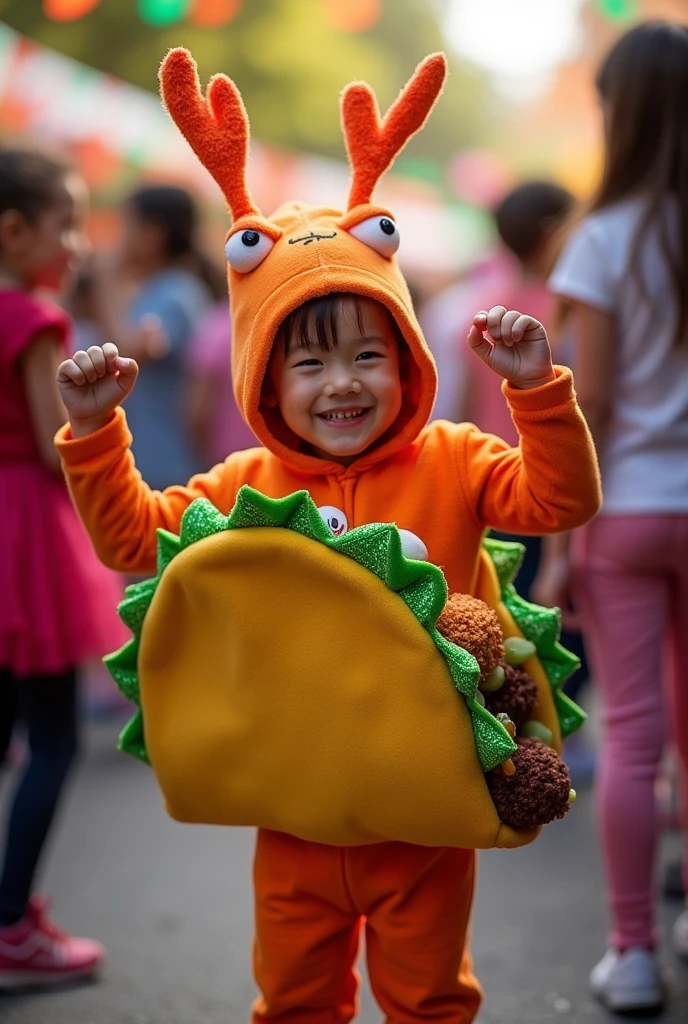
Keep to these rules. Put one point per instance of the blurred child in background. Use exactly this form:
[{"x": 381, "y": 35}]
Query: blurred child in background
[
  {"x": 216, "y": 425},
  {"x": 166, "y": 285},
  {"x": 526, "y": 219},
  {"x": 56, "y": 602},
  {"x": 624, "y": 273}
]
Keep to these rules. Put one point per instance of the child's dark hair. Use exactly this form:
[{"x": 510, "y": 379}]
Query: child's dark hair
[
  {"x": 30, "y": 180},
  {"x": 528, "y": 212},
  {"x": 643, "y": 83},
  {"x": 174, "y": 211},
  {"x": 314, "y": 323}
]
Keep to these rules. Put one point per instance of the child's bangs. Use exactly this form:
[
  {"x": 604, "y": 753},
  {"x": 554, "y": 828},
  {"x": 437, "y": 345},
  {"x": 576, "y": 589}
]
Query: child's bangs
[{"x": 314, "y": 325}]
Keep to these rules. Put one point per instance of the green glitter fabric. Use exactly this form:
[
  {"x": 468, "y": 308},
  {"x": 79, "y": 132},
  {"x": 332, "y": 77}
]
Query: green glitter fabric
[
  {"x": 542, "y": 627},
  {"x": 377, "y": 547}
]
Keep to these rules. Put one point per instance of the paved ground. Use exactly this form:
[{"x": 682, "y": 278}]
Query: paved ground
[{"x": 173, "y": 905}]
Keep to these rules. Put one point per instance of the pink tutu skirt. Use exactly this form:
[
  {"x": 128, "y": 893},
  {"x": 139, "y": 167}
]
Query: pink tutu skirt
[{"x": 57, "y": 601}]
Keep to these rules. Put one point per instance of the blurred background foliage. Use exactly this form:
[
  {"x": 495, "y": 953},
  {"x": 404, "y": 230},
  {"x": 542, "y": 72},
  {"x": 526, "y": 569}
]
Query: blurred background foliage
[{"x": 288, "y": 58}]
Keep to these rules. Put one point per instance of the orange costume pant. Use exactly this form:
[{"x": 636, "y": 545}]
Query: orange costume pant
[{"x": 310, "y": 904}]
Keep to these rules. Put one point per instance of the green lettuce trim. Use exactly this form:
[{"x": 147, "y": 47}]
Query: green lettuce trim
[
  {"x": 377, "y": 547},
  {"x": 542, "y": 626}
]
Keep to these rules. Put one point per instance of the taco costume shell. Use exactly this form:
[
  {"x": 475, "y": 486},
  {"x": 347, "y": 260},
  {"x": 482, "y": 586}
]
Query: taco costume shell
[{"x": 295, "y": 681}]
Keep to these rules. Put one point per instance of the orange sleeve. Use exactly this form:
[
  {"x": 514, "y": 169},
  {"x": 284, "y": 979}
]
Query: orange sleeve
[
  {"x": 119, "y": 510},
  {"x": 551, "y": 482}
]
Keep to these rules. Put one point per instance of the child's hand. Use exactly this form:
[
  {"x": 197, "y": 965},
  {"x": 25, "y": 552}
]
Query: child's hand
[
  {"x": 517, "y": 348},
  {"x": 92, "y": 384}
]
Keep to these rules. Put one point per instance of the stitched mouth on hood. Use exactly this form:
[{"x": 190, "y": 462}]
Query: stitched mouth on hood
[{"x": 312, "y": 237}]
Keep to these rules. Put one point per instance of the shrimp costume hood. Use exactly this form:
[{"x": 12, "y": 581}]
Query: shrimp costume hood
[
  {"x": 302, "y": 251},
  {"x": 289, "y": 678}
]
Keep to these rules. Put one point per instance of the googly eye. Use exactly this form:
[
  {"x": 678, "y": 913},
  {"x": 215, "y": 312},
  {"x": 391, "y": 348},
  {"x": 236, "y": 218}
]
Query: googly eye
[
  {"x": 246, "y": 250},
  {"x": 379, "y": 233},
  {"x": 335, "y": 519}
]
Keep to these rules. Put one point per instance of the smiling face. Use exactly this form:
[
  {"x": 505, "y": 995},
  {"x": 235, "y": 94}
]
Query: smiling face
[{"x": 338, "y": 384}]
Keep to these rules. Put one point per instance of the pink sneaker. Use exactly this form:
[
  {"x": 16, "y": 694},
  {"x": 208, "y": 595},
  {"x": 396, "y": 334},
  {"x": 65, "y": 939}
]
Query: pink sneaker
[{"x": 35, "y": 952}]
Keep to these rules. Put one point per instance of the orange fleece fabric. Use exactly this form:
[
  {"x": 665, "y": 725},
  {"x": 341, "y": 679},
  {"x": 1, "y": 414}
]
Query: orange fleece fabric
[{"x": 416, "y": 902}]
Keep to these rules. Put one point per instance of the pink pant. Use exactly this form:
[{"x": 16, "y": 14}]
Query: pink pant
[{"x": 632, "y": 580}]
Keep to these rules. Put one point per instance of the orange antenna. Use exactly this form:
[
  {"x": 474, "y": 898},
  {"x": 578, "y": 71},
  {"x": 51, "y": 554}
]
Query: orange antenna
[
  {"x": 215, "y": 127},
  {"x": 372, "y": 143}
]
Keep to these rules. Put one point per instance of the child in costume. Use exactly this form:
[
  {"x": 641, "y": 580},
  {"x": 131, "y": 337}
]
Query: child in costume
[
  {"x": 624, "y": 275},
  {"x": 56, "y": 598},
  {"x": 332, "y": 373}
]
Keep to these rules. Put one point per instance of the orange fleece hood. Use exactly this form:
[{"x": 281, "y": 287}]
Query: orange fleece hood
[{"x": 276, "y": 264}]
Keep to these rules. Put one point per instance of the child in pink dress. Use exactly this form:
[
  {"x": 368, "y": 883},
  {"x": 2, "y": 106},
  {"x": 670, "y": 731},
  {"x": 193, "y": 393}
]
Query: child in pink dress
[{"x": 56, "y": 600}]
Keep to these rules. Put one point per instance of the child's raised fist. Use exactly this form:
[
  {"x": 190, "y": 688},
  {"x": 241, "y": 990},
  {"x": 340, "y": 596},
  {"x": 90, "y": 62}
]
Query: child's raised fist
[
  {"x": 92, "y": 384},
  {"x": 514, "y": 345}
]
